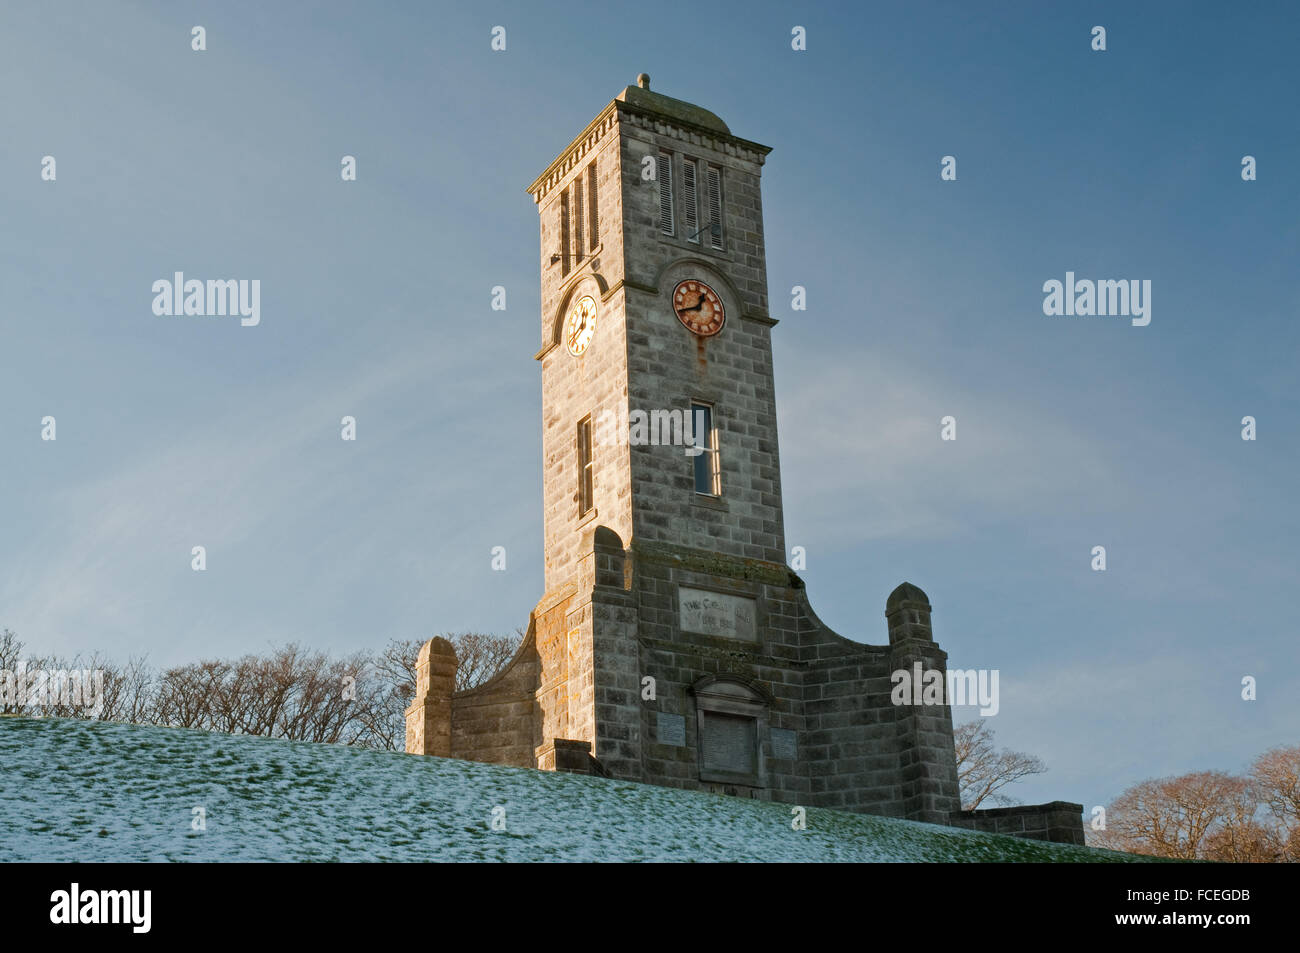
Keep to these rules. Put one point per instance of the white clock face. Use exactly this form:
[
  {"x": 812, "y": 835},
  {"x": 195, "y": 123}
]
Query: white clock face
[{"x": 580, "y": 325}]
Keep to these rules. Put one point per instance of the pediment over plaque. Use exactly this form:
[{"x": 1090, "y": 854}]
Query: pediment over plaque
[
  {"x": 728, "y": 693},
  {"x": 732, "y": 717},
  {"x": 717, "y": 613}
]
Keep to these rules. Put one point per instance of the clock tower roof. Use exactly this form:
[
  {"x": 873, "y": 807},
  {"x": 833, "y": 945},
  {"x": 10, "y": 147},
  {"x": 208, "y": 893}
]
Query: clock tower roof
[
  {"x": 640, "y": 96},
  {"x": 638, "y": 100}
]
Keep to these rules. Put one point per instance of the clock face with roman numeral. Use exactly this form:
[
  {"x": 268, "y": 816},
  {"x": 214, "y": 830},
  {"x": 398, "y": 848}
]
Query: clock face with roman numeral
[
  {"x": 580, "y": 325},
  {"x": 698, "y": 307}
]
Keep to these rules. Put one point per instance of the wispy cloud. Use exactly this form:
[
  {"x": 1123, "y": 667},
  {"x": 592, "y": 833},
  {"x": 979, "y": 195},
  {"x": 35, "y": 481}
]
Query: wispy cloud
[
  {"x": 862, "y": 433},
  {"x": 114, "y": 539}
]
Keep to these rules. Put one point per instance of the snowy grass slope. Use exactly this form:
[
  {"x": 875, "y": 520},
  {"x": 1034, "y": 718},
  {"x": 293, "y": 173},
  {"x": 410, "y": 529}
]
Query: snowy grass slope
[{"x": 94, "y": 791}]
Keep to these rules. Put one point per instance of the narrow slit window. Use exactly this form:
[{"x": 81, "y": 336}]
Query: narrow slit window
[
  {"x": 564, "y": 232},
  {"x": 715, "y": 206},
  {"x": 690, "y": 204},
  {"x": 664, "y": 174},
  {"x": 708, "y": 470},
  {"x": 585, "y": 482},
  {"x": 593, "y": 219}
]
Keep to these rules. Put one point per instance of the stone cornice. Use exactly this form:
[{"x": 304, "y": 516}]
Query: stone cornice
[
  {"x": 697, "y": 135},
  {"x": 716, "y": 564},
  {"x": 596, "y": 130},
  {"x": 629, "y": 283},
  {"x": 553, "y": 598},
  {"x": 730, "y": 650},
  {"x": 573, "y": 153}
]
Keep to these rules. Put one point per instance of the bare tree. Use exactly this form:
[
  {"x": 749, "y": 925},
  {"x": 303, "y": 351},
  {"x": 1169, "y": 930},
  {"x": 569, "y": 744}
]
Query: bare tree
[
  {"x": 394, "y": 669},
  {"x": 1244, "y": 842},
  {"x": 291, "y": 692},
  {"x": 328, "y": 703},
  {"x": 1275, "y": 780},
  {"x": 186, "y": 694},
  {"x": 11, "y": 652},
  {"x": 130, "y": 692},
  {"x": 51, "y": 686},
  {"x": 1187, "y": 817},
  {"x": 481, "y": 656},
  {"x": 983, "y": 771}
]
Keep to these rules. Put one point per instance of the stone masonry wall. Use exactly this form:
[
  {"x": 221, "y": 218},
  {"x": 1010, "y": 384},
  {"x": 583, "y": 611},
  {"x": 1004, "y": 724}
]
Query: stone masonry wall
[
  {"x": 497, "y": 722},
  {"x": 668, "y": 366},
  {"x": 648, "y": 248},
  {"x": 855, "y": 750},
  {"x": 595, "y": 382},
  {"x": 677, "y": 660},
  {"x": 638, "y": 339},
  {"x": 575, "y": 685},
  {"x": 428, "y": 718},
  {"x": 1057, "y": 821}
]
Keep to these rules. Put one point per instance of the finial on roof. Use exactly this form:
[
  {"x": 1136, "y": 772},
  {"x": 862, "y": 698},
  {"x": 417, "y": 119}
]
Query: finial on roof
[{"x": 643, "y": 80}]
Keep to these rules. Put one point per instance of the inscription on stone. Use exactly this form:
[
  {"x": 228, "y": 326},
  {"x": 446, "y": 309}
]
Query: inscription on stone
[
  {"x": 671, "y": 729},
  {"x": 717, "y": 613},
  {"x": 783, "y": 744},
  {"x": 729, "y": 743}
]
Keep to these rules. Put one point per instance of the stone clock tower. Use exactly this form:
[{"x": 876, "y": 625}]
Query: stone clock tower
[
  {"x": 673, "y": 644},
  {"x": 654, "y": 192}
]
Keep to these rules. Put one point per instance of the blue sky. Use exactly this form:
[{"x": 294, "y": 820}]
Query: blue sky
[{"x": 924, "y": 300}]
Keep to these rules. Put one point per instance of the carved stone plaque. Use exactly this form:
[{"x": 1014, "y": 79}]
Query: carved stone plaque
[
  {"x": 717, "y": 613},
  {"x": 729, "y": 743},
  {"x": 783, "y": 744},
  {"x": 670, "y": 729}
]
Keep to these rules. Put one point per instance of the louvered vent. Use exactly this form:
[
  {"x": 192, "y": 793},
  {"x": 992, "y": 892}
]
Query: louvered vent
[
  {"x": 564, "y": 232},
  {"x": 592, "y": 215},
  {"x": 689, "y": 204},
  {"x": 715, "y": 207},
  {"x": 665, "y": 174}
]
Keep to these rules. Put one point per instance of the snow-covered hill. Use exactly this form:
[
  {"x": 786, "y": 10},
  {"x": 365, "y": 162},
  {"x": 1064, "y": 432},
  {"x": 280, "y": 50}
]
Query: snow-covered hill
[{"x": 93, "y": 791}]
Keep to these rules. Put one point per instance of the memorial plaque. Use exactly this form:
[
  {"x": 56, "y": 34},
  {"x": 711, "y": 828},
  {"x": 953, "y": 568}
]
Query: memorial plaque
[
  {"x": 729, "y": 743},
  {"x": 783, "y": 744},
  {"x": 717, "y": 613},
  {"x": 671, "y": 730}
]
